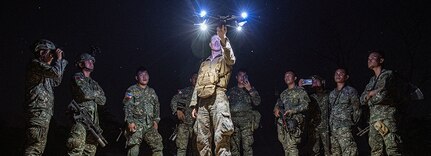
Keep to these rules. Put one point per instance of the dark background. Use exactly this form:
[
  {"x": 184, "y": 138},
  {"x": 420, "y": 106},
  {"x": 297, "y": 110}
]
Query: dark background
[{"x": 310, "y": 37}]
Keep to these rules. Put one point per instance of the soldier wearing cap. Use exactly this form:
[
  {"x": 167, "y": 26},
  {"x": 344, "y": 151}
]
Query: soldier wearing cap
[
  {"x": 88, "y": 94},
  {"x": 41, "y": 77}
]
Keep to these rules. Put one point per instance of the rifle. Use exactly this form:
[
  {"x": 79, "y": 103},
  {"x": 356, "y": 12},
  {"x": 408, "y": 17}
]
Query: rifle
[
  {"x": 288, "y": 123},
  {"x": 363, "y": 131},
  {"x": 174, "y": 134},
  {"x": 82, "y": 116}
]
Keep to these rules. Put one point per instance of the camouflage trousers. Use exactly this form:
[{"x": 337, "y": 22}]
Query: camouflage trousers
[
  {"x": 81, "y": 142},
  {"x": 390, "y": 142},
  {"x": 343, "y": 143},
  {"x": 321, "y": 136},
  {"x": 185, "y": 137},
  {"x": 151, "y": 136},
  {"x": 242, "y": 136},
  {"x": 214, "y": 124},
  {"x": 290, "y": 141},
  {"x": 37, "y": 133}
]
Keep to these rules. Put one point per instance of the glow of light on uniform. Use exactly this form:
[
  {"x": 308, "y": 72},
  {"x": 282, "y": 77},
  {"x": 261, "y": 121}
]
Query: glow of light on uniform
[
  {"x": 244, "y": 15},
  {"x": 203, "y": 13}
]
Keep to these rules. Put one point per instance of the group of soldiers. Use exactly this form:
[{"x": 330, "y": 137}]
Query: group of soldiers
[
  {"x": 211, "y": 121},
  {"x": 330, "y": 116},
  {"x": 45, "y": 71}
]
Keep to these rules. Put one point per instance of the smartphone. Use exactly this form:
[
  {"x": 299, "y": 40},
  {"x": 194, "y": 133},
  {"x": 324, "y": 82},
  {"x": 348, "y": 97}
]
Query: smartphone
[
  {"x": 307, "y": 82},
  {"x": 245, "y": 78}
]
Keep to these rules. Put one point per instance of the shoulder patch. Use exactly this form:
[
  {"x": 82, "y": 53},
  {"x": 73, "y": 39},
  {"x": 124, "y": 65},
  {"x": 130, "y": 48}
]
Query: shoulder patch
[{"x": 128, "y": 96}]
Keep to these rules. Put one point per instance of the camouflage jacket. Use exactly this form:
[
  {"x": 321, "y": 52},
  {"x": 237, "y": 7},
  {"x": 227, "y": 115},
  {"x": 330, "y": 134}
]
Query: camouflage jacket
[
  {"x": 141, "y": 106},
  {"x": 382, "y": 106},
  {"x": 344, "y": 106},
  {"x": 87, "y": 93},
  {"x": 295, "y": 99},
  {"x": 181, "y": 101},
  {"x": 319, "y": 111},
  {"x": 220, "y": 67},
  {"x": 39, "y": 82},
  {"x": 241, "y": 100}
]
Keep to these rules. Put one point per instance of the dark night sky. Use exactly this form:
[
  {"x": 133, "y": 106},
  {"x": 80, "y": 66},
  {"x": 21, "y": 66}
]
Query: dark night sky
[{"x": 309, "y": 37}]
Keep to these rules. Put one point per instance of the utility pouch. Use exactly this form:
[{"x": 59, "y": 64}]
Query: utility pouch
[{"x": 381, "y": 128}]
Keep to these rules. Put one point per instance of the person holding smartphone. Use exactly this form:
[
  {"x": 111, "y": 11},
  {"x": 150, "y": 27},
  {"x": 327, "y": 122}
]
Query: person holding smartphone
[
  {"x": 318, "y": 117},
  {"x": 242, "y": 98}
]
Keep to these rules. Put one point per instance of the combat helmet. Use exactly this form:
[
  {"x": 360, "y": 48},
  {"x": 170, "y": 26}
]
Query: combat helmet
[{"x": 43, "y": 44}]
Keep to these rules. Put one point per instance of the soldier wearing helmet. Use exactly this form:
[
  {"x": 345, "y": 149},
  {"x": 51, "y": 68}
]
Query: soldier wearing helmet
[
  {"x": 42, "y": 76},
  {"x": 88, "y": 94}
]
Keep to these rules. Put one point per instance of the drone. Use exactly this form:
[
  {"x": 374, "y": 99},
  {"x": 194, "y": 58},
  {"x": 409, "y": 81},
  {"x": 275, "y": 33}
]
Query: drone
[{"x": 233, "y": 21}]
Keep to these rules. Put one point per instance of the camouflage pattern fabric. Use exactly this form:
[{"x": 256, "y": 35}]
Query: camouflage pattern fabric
[
  {"x": 214, "y": 112},
  {"x": 295, "y": 99},
  {"x": 185, "y": 135},
  {"x": 383, "y": 107},
  {"x": 186, "y": 141},
  {"x": 343, "y": 143},
  {"x": 142, "y": 107},
  {"x": 88, "y": 95},
  {"x": 181, "y": 101},
  {"x": 40, "y": 80},
  {"x": 241, "y": 102},
  {"x": 319, "y": 116},
  {"x": 214, "y": 109},
  {"x": 345, "y": 113}
]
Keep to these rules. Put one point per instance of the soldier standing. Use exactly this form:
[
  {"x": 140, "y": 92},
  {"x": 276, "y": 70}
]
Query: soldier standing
[
  {"x": 344, "y": 113},
  {"x": 290, "y": 109},
  {"x": 142, "y": 110},
  {"x": 41, "y": 78},
  {"x": 209, "y": 101},
  {"x": 318, "y": 115},
  {"x": 180, "y": 107},
  {"x": 242, "y": 98},
  {"x": 88, "y": 94},
  {"x": 378, "y": 96}
]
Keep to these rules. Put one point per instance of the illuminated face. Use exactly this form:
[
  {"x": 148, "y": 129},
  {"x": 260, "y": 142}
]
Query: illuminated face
[
  {"x": 374, "y": 60},
  {"x": 340, "y": 76},
  {"x": 240, "y": 77},
  {"x": 88, "y": 64},
  {"x": 289, "y": 78},
  {"x": 143, "y": 78},
  {"x": 46, "y": 56},
  {"x": 215, "y": 43}
]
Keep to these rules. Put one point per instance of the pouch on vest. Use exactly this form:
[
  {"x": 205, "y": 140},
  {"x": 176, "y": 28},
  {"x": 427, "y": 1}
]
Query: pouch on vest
[
  {"x": 207, "y": 84},
  {"x": 381, "y": 128}
]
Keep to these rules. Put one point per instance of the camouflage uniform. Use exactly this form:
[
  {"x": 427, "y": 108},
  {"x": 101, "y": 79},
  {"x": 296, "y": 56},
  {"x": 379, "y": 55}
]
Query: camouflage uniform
[
  {"x": 213, "y": 106},
  {"x": 318, "y": 112},
  {"x": 382, "y": 109},
  {"x": 241, "y": 102},
  {"x": 295, "y": 99},
  {"x": 39, "y": 99},
  {"x": 142, "y": 107},
  {"x": 344, "y": 114},
  {"x": 185, "y": 135},
  {"x": 88, "y": 94}
]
